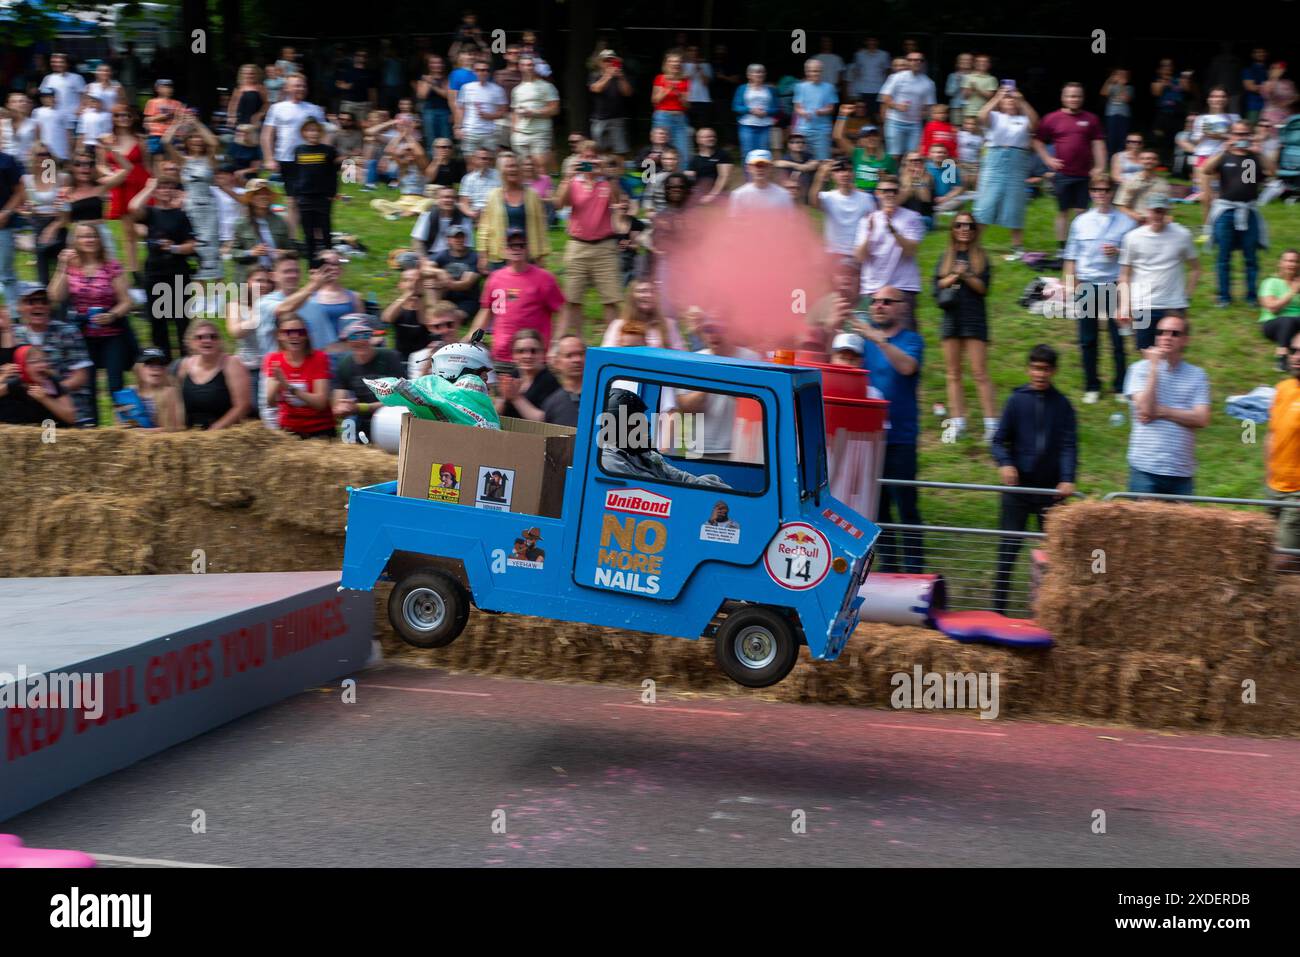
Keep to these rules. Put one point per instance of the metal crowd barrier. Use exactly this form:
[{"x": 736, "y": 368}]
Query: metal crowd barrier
[
  {"x": 976, "y": 578},
  {"x": 968, "y": 557}
]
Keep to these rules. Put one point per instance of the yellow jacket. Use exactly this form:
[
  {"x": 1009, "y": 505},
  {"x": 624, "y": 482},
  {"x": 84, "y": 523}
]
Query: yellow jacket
[{"x": 492, "y": 226}]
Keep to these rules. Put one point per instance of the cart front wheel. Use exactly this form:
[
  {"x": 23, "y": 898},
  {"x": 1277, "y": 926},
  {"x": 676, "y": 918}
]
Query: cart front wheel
[
  {"x": 756, "y": 647},
  {"x": 428, "y": 610}
]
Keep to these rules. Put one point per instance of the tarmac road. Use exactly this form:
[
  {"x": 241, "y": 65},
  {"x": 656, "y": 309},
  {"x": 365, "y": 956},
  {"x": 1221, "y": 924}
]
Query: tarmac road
[{"x": 417, "y": 770}]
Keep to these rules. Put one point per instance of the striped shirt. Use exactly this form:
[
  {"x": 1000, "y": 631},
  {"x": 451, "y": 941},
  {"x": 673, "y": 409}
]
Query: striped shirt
[{"x": 1163, "y": 447}]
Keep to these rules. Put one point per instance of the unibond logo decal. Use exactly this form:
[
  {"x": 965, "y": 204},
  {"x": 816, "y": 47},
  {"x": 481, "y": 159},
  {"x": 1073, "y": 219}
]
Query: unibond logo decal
[{"x": 639, "y": 501}]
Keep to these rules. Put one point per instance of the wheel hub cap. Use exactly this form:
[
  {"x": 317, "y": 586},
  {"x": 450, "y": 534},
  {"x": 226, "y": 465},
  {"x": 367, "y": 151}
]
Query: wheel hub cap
[
  {"x": 423, "y": 609},
  {"x": 755, "y": 647}
]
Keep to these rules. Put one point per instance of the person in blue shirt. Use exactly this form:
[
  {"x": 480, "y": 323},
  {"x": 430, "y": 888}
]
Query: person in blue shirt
[
  {"x": 815, "y": 102},
  {"x": 1253, "y": 79},
  {"x": 893, "y": 355}
]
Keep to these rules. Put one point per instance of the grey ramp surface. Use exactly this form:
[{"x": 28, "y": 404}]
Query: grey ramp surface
[{"x": 51, "y": 623}]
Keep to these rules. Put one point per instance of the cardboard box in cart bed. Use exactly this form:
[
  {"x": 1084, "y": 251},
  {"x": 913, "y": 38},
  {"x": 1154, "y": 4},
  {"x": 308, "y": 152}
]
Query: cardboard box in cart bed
[{"x": 768, "y": 563}]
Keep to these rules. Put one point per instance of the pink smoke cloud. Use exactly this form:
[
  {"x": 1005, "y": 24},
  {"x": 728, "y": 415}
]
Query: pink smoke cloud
[{"x": 759, "y": 272}]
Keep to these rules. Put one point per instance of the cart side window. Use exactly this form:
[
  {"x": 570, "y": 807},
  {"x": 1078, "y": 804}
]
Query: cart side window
[
  {"x": 686, "y": 430},
  {"x": 813, "y": 476}
]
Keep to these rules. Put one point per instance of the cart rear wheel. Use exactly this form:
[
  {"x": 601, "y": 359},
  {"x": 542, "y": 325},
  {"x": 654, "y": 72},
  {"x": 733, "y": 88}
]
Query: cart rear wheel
[
  {"x": 428, "y": 609},
  {"x": 756, "y": 647}
]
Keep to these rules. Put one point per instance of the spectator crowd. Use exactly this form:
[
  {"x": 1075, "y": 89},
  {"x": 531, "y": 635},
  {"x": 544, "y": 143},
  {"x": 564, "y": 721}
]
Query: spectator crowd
[{"x": 516, "y": 220}]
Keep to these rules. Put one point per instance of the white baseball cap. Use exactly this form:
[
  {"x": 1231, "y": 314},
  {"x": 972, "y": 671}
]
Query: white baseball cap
[
  {"x": 850, "y": 341},
  {"x": 758, "y": 156}
]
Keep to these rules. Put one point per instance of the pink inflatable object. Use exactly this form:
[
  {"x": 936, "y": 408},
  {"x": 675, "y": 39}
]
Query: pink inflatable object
[{"x": 14, "y": 854}]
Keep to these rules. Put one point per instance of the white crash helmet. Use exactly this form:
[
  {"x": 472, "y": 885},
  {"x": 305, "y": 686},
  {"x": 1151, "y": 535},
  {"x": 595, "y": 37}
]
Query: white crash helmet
[{"x": 458, "y": 358}]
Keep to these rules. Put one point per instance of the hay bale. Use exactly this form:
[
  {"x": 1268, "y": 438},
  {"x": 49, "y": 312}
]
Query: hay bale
[
  {"x": 1245, "y": 695},
  {"x": 89, "y": 533},
  {"x": 1080, "y": 682},
  {"x": 1159, "y": 547},
  {"x": 1222, "y": 622},
  {"x": 1161, "y": 691}
]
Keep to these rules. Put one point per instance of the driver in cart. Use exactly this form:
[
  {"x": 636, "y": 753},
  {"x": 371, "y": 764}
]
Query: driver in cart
[{"x": 629, "y": 452}]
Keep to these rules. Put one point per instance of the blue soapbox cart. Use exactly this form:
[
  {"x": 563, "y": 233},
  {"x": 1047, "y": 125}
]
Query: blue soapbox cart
[{"x": 768, "y": 563}]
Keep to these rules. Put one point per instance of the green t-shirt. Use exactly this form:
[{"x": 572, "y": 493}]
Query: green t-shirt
[
  {"x": 867, "y": 169},
  {"x": 1277, "y": 286}
]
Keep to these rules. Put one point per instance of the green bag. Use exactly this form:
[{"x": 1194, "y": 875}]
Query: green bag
[{"x": 464, "y": 402}]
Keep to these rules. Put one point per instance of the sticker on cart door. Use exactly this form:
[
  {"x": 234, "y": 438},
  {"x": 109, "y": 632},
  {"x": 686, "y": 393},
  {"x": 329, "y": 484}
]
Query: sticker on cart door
[
  {"x": 798, "y": 557},
  {"x": 720, "y": 527},
  {"x": 496, "y": 488}
]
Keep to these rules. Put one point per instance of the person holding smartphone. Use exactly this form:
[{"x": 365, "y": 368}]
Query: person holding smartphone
[{"x": 298, "y": 382}]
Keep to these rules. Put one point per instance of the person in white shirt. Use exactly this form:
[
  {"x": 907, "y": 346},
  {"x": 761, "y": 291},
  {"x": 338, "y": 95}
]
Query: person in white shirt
[
  {"x": 832, "y": 65},
  {"x": 844, "y": 206},
  {"x": 1210, "y": 134},
  {"x": 51, "y": 129},
  {"x": 1090, "y": 274},
  {"x": 93, "y": 122},
  {"x": 106, "y": 88},
  {"x": 17, "y": 128},
  {"x": 1153, "y": 262},
  {"x": 67, "y": 88},
  {"x": 476, "y": 107},
  {"x": 760, "y": 192},
  {"x": 534, "y": 103},
  {"x": 867, "y": 74},
  {"x": 905, "y": 100},
  {"x": 478, "y": 183},
  {"x": 281, "y": 135},
  {"x": 887, "y": 242}
]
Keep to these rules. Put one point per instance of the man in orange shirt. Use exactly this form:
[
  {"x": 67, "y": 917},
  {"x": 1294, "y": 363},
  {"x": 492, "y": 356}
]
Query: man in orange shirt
[{"x": 1282, "y": 457}]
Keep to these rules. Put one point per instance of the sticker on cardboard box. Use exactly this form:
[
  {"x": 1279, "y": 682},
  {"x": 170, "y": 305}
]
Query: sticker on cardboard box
[
  {"x": 444, "y": 482},
  {"x": 495, "y": 489}
]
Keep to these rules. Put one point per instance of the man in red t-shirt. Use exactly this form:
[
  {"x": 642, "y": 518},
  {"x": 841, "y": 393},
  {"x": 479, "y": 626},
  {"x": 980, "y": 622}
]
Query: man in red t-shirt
[
  {"x": 939, "y": 132},
  {"x": 591, "y": 256},
  {"x": 517, "y": 296},
  {"x": 1079, "y": 143}
]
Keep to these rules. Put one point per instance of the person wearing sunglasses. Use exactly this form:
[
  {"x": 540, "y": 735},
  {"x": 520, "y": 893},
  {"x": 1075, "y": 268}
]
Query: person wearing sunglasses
[
  {"x": 522, "y": 396},
  {"x": 1282, "y": 476},
  {"x": 887, "y": 242},
  {"x": 352, "y": 399},
  {"x": 894, "y": 355},
  {"x": 1171, "y": 400},
  {"x": 216, "y": 392},
  {"x": 298, "y": 382},
  {"x": 439, "y": 324},
  {"x": 477, "y": 106},
  {"x": 1127, "y": 161},
  {"x": 1091, "y": 270},
  {"x": 456, "y": 275}
]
